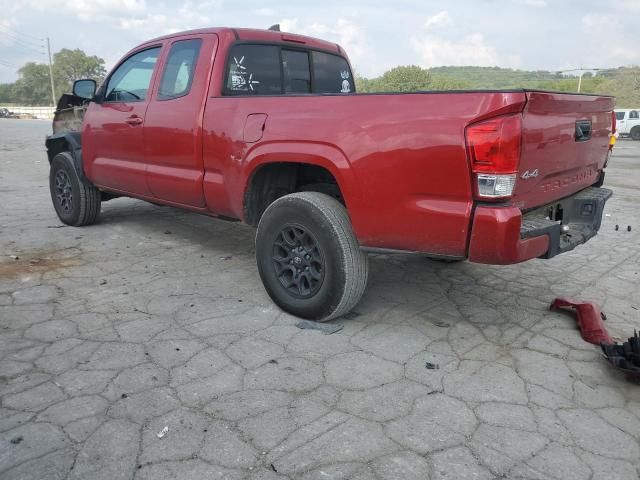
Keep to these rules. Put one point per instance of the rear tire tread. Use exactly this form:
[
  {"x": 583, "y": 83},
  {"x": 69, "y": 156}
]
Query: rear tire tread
[{"x": 355, "y": 264}]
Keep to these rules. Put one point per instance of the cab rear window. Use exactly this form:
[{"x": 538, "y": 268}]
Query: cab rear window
[
  {"x": 279, "y": 70},
  {"x": 331, "y": 74},
  {"x": 619, "y": 115}
]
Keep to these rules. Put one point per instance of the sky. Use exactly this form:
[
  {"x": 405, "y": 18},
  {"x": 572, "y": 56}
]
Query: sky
[{"x": 378, "y": 35}]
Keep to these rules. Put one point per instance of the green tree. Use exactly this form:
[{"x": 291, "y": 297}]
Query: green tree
[
  {"x": 71, "y": 65},
  {"x": 409, "y": 78},
  {"x": 624, "y": 84},
  {"x": 6, "y": 93},
  {"x": 33, "y": 86}
]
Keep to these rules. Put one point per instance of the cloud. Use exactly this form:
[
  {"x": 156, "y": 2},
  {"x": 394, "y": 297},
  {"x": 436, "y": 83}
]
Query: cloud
[
  {"x": 602, "y": 47},
  {"x": 264, "y": 12},
  {"x": 536, "y": 3},
  {"x": 469, "y": 50},
  {"x": 154, "y": 22},
  {"x": 6, "y": 25},
  {"x": 89, "y": 10},
  {"x": 438, "y": 20},
  {"x": 289, "y": 25}
]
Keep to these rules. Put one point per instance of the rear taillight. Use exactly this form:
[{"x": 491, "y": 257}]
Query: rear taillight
[{"x": 494, "y": 153}]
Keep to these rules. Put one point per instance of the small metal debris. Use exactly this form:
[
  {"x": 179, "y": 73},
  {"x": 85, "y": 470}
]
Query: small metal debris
[
  {"x": 124, "y": 395},
  {"x": 103, "y": 282},
  {"x": 167, "y": 232},
  {"x": 617, "y": 227},
  {"x": 15, "y": 257},
  {"x": 273, "y": 468},
  {"x": 226, "y": 257},
  {"x": 326, "y": 328},
  {"x": 442, "y": 324},
  {"x": 17, "y": 440},
  {"x": 163, "y": 432},
  {"x": 628, "y": 228},
  {"x": 432, "y": 366}
]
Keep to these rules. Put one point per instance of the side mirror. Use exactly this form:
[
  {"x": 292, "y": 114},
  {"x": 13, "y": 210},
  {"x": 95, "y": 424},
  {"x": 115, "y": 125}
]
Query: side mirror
[{"x": 85, "y": 88}]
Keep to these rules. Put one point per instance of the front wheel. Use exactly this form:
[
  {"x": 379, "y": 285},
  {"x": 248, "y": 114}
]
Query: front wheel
[
  {"x": 308, "y": 257},
  {"x": 76, "y": 202}
]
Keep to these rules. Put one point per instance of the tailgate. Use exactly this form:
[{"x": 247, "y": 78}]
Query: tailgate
[{"x": 556, "y": 161}]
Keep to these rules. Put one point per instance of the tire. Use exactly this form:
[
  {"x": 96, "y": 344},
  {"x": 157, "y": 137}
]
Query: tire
[
  {"x": 635, "y": 133},
  {"x": 76, "y": 202},
  {"x": 311, "y": 231}
]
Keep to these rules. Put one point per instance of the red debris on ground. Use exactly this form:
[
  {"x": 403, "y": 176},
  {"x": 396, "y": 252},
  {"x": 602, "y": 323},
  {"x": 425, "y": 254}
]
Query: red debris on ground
[{"x": 590, "y": 319}]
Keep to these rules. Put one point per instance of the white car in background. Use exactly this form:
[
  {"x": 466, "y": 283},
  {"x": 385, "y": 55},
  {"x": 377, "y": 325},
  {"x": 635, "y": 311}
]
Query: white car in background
[{"x": 628, "y": 122}]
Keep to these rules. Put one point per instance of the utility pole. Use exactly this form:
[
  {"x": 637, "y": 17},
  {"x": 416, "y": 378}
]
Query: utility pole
[
  {"x": 580, "y": 81},
  {"x": 53, "y": 90}
]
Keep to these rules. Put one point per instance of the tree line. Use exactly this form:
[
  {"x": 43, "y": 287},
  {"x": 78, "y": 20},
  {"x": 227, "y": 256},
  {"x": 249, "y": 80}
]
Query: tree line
[
  {"x": 33, "y": 86},
  {"x": 623, "y": 82}
]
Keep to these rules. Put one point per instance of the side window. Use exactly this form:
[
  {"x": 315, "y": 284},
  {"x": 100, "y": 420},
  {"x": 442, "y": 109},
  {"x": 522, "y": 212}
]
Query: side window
[
  {"x": 331, "y": 74},
  {"x": 633, "y": 115},
  {"x": 297, "y": 76},
  {"x": 619, "y": 115},
  {"x": 178, "y": 71},
  {"x": 130, "y": 82},
  {"x": 254, "y": 70}
]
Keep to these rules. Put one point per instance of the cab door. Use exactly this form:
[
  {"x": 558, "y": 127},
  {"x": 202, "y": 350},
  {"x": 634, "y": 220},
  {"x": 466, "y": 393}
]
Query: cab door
[
  {"x": 173, "y": 122},
  {"x": 112, "y": 138}
]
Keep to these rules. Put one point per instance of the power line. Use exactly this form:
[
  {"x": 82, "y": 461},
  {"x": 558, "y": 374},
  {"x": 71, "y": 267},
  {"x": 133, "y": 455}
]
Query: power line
[
  {"x": 8, "y": 65},
  {"x": 16, "y": 43},
  {"x": 18, "y": 38},
  {"x": 39, "y": 39}
]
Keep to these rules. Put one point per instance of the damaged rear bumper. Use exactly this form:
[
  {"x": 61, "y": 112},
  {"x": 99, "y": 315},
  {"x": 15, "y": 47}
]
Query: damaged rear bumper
[{"x": 504, "y": 235}]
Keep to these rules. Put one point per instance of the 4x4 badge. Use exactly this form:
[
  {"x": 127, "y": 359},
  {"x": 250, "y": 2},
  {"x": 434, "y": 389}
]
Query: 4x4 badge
[{"x": 527, "y": 175}]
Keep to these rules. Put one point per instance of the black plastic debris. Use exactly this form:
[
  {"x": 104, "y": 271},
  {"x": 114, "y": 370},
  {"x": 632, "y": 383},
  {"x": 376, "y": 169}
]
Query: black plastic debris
[
  {"x": 326, "y": 328},
  {"x": 432, "y": 366},
  {"x": 16, "y": 440},
  {"x": 625, "y": 356}
]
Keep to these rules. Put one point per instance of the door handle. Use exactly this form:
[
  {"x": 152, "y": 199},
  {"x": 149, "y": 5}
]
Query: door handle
[{"x": 134, "y": 120}]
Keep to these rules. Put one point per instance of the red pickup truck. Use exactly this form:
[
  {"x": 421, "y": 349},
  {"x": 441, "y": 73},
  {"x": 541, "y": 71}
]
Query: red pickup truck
[{"x": 266, "y": 127}]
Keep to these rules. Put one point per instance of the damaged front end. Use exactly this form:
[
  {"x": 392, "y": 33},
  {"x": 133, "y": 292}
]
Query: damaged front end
[{"x": 69, "y": 114}]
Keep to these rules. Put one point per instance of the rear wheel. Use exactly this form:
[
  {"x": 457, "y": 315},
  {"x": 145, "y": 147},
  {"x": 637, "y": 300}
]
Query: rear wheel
[
  {"x": 76, "y": 202},
  {"x": 308, "y": 257},
  {"x": 635, "y": 133}
]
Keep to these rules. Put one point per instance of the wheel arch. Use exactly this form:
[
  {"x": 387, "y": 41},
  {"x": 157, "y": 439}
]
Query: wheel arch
[
  {"x": 66, "y": 142},
  {"x": 281, "y": 163}
]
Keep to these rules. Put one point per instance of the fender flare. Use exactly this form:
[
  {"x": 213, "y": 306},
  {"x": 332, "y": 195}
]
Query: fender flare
[
  {"x": 312, "y": 153},
  {"x": 67, "y": 142},
  {"x": 324, "y": 155}
]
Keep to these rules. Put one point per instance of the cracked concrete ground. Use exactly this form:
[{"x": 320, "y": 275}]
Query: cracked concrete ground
[{"x": 156, "y": 317}]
